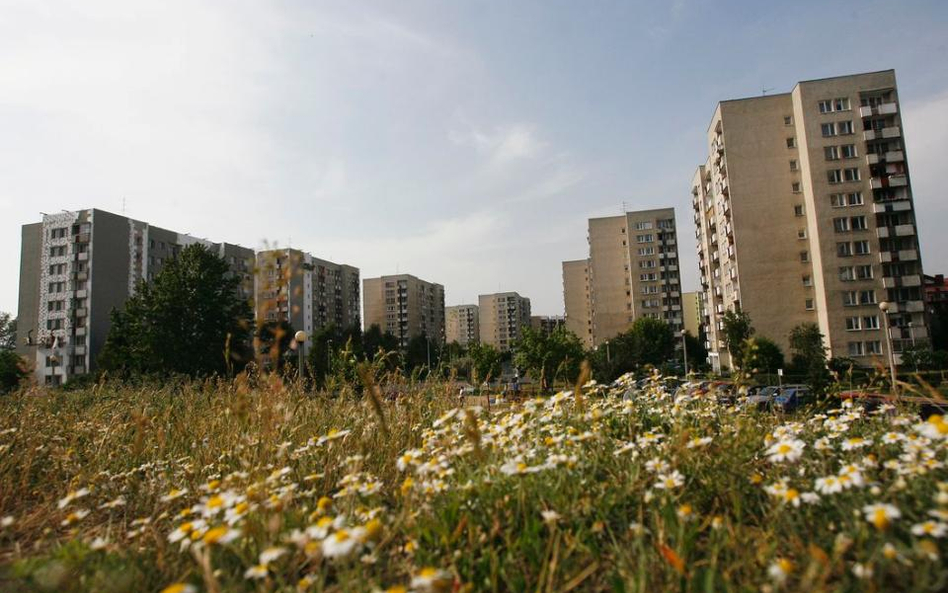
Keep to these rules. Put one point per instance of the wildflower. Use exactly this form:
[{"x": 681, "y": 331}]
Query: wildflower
[
  {"x": 99, "y": 543},
  {"x": 881, "y": 514},
  {"x": 65, "y": 501},
  {"x": 74, "y": 517},
  {"x": 220, "y": 535},
  {"x": 670, "y": 481},
  {"x": 270, "y": 554},
  {"x": 174, "y": 494},
  {"x": 6, "y": 521},
  {"x": 341, "y": 543},
  {"x": 259, "y": 571},
  {"x": 935, "y": 529},
  {"x": 431, "y": 579},
  {"x": 550, "y": 516},
  {"x": 780, "y": 569},
  {"x": 698, "y": 442},
  {"x": 118, "y": 502},
  {"x": 862, "y": 571},
  {"x": 684, "y": 512},
  {"x": 180, "y": 588},
  {"x": 855, "y": 443},
  {"x": 717, "y": 522},
  {"x": 786, "y": 450},
  {"x": 332, "y": 435},
  {"x": 935, "y": 428}
]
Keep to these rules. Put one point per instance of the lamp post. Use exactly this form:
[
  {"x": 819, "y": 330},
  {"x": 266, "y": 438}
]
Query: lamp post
[
  {"x": 608, "y": 354},
  {"x": 884, "y": 307},
  {"x": 684, "y": 351},
  {"x": 300, "y": 338}
]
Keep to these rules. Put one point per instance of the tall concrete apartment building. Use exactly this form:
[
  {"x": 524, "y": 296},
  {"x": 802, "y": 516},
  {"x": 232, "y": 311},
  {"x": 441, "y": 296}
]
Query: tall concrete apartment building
[
  {"x": 692, "y": 313},
  {"x": 631, "y": 272},
  {"x": 309, "y": 293},
  {"x": 504, "y": 316},
  {"x": 804, "y": 213},
  {"x": 462, "y": 325},
  {"x": 404, "y": 306},
  {"x": 576, "y": 300},
  {"x": 76, "y": 267}
]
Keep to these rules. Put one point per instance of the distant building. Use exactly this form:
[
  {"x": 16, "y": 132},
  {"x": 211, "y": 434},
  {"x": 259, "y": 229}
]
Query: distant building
[
  {"x": 936, "y": 290},
  {"x": 462, "y": 324},
  {"x": 503, "y": 316},
  {"x": 404, "y": 306},
  {"x": 547, "y": 324},
  {"x": 76, "y": 267},
  {"x": 805, "y": 214},
  {"x": 631, "y": 272},
  {"x": 691, "y": 312},
  {"x": 576, "y": 300},
  {"x": 306, "y": 292}
]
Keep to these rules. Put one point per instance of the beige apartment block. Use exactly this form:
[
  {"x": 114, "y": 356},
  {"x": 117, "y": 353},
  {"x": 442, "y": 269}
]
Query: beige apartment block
[
  {"x": 462, "y": 324},
  {"x": 804, "y": 213},
  {"x": 404, "y": 306},
  {"x": 547, "y": 324},
  {"x": 576, "y": 300},
  {"x": 691, "y": 312},
  {"x": 633, "y": 271},
  {"x": 504, "y": 315},
  {"x": 307, "y": 292}
]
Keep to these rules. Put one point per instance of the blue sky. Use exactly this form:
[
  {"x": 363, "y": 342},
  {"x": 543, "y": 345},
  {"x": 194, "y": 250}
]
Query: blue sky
[{"x": 464, "y": 142}]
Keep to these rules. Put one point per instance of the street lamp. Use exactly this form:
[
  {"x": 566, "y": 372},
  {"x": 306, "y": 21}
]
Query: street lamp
[
  {"x": 884, "y": 307},
  {"x": 684, "y": 351},
  {"x": 300, "y": 338}
]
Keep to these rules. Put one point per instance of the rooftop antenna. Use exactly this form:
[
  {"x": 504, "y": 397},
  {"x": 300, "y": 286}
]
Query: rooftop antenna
[
  {"x": 764, "y": 91},
  {"x": 625, "y": 206}
]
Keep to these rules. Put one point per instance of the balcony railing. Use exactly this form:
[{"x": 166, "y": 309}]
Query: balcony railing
[{"x": 882, "y": 109}]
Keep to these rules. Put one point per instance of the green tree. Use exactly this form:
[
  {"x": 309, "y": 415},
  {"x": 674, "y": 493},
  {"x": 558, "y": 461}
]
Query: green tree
[
  {"x": 11, "y": 370},
  {"x": 697, "y": 353},
  {"x": 648, "y": 342},
  {"x": 762, "y": 355},
  {"x": 808, "y": 356},
  {"x": 7, "y": 332},
  {"x": 274, "y": 339},
  {"x": 737, "y": 330},
  {"x": 190, "y": 320},
  {"x": 548, "y": 357},
  {"x": 485, "y": 362},
  {"x": 376, "y": 342}
]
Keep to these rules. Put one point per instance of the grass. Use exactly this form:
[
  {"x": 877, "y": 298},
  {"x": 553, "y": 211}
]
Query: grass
[{"x": 587, "y": 492}]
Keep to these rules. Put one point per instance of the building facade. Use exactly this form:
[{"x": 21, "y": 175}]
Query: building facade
[
  {"x": 692, "y": 314},
  {"x": 307, "y": 292},
  {"x": 462, "y": 325},
  {"x": 404, "y": 306},
  {"x": 76, "y": 267},
  {"x": 547, "y": 324},
  {"x": 503, "y": 317},
  {"x": 576, "y": 300},
  {"x": 631, "y": 272},
  {"x": 804, "y": 214}
]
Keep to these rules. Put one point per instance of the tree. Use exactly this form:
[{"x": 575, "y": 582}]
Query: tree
[
  {"x": 275, "y": 339},
  {"x": 11, "y": 370},
  {"x": 7, "y": 332},
  {"x": 547, "y": 357},
  {"x": 374, "y": 341},
  {"x": 809, "y": 356},
  {"x": 421, "y": 352},
  {"x": 697, "y": 353},
  {"x": 737, "y": 330},
  {"x": 485, "y": 362},
  {"x": 648, "y": 342},
  {"x": 188, "y": 320},
  {"x": 762, "y": 355}
]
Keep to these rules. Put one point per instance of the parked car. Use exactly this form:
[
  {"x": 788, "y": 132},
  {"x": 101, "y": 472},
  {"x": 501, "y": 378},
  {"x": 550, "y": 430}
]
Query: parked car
[
  {"x": 791, "y": 398},
  {"x": 760, "y": 400}
]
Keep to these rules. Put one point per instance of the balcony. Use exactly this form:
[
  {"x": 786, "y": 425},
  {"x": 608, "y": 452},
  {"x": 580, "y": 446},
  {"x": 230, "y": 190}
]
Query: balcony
[
  {"x": 885, "y": 257},
  {"x": 81, "y": 294},
  {"x": 82, "y": 312},
  {"x": 902, "y": 205},
  {"x": 83, "y": 237},
  {"x": 905, "y": 230},
  {"x": 83, "y": 256},
  {"x": 82, "y": 275},
  {"x": 898, "y": 180},
  {"x": 872, "y": 159},
  {"x": 80, "y": 331},
  {"x": 914, "y": 306},
  {"x": 914, "y": 280},
  {"x": 883, "y": 232},
  {"x": 894, "y": 156},
  {"x": 891, "y": 132},
  {"x": 79, "y": 351},
  {"x": 908, "y": 255},
  {"x": 881, "y": 109}
]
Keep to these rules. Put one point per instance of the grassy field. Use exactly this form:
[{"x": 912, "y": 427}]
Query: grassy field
[{"x": 253, "y": 486}]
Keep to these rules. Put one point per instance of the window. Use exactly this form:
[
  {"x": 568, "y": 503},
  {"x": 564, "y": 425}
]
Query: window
[
  {"x": 844, "y": 127},
  {"x": 645, "y": 238},
  {"x": 801, "y": 233},
  {"x": 847, "y": 273},
  {"x": 844, "y": 249},
  {"x": 643, "y": 226},
  {"x": 858, "y": 223},
  {"x": 647, "y": 263},
  {"x": 807, "y": 280},
  {"x": 864, "y": 272},
  {"x": 853, "y": 324},
  {"x": 788, "y": 120},
  {"x": 834, "y": 176},
  {"x": 798, "y": 210},
  {"x": 851, "y": 174},
  {"x": 826, "y": 106},
  {"x": 870, "y": 322},
  {"x": 841, "y": 225},
  {"x": 808, "y": 304},
  {"x": 861, "y": 247},
  {"x": 874, "y": 347},
  {"x": 850, "y": 298},
  {"x": 646, "y": 251},
  {"x": 867, "y": 297},
  {"x": 838, "y": 200},
  {"x": 848, "y": 151},
  {"x": 828, "y": 129},
  {"x": 855, "y": 199},
  {"x": 795, "y": 187},
  {"x": 831, "y": 153},
  {"x": 791, "y": 142},
  {"x": 794, "y": 166},
  {"x": 856, "y": 349},
  {"x": 804, "y": 256}
]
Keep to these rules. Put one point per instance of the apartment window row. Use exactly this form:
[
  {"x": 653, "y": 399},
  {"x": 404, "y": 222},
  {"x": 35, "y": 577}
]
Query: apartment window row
[
  {"x": 860, "y": 323},
  {"x": 57, "y": 251},
  {"x": 646, "y": 251},
  {"x": 851, "y": 248},
  {"x": 56, "y": 305},
  {"x": 848, "y": 199},
  {"x": 837, "y": 128},
  {"x": 853, "y": 273},
  {"x": 56, "y": 287},
  {"x": 647, "y": 263},
  {"x": 667, "y": 223},
  {"x": 649, "y": 277},
  {"x": 834, "y": 105},
  {"x": 645, "y": 238},
  {"x": 843, "y": 151},
  {"x": 843, "y": 175},
  {"x": 643, "y": 226},
  {"x": 55, "y": 324},
  {"x": 57, "y": 269},
  {"x": 868, "y": 348},
  {"x": 57, "y": 233},
  {"x": 853, "y": 298},
  {"x": 849, "y": 223}
]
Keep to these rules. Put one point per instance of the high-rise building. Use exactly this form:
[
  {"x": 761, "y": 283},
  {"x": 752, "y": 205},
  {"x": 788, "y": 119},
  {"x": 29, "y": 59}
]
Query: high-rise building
[
  {"x": 462, "y": 325},
  {"x": 76, "y": 267},
  {"x": 632, "y": 272},
  {"x": 404, "y": 306},
  {"x": 547, "y": 324},
  {"x": 692, "y": 315},
  {"x": 804, "y": 213},
  {"x": 576, "y": 300},
  {"x": 504, "y": 315},
  {"x": 306, "y": 292}
]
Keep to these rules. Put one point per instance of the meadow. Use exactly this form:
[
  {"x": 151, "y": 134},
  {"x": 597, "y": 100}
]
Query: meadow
[{"x": 252, "y": 485}]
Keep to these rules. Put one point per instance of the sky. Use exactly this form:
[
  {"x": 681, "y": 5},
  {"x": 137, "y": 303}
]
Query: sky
[{"x": 464, "y": 142}]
